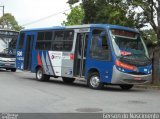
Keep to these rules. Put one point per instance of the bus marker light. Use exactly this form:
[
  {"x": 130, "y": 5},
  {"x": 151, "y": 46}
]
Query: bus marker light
[{"x": 71, "y": 56}]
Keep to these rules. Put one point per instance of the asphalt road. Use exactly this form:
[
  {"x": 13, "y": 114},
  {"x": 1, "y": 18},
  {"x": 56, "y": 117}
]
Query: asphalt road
[{"x": 21, "y": 93}]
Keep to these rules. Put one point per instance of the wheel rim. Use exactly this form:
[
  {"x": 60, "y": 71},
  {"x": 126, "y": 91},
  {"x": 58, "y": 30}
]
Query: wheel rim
[
  {"x": 39, "y": 74},
  {"x": 95, "y": 81}
]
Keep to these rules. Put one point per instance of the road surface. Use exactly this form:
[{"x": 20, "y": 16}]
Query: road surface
[{"x": 21, "y": 93}]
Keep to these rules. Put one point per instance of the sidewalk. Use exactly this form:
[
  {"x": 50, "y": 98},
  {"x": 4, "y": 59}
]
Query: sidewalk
[{"x": 148, "y": 86}]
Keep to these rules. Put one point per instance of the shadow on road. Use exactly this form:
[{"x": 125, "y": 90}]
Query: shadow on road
[{"x": 83, "y": 84}]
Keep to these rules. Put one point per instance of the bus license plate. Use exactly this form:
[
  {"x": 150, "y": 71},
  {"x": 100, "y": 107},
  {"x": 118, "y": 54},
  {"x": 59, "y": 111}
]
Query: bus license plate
[
  {"x": 137, "y": 78},
  {"x": 7, "y": 64}
]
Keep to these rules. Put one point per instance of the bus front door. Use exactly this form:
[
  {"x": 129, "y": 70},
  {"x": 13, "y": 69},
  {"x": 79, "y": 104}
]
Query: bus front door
[
  {"x": 80, "y": 54},
  {"x": 28, "y": 52}
]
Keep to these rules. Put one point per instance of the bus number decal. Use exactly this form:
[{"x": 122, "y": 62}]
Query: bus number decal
[{"x": 19, "y": 53}]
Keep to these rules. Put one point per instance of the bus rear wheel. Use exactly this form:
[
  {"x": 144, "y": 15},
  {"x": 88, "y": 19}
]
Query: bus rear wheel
[
  {"x": 94, "y": 81},
  {"x": 68, "y": 80},
  {"x": 126, "y": 86},
  {"x": 40, "y": 76}
]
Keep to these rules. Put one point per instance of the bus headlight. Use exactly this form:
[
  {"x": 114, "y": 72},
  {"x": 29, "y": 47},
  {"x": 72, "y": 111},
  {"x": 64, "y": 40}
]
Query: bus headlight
[{"x": 126, "y": 66}]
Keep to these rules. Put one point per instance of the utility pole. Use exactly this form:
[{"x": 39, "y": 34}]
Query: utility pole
[{"x": 3, "y": 9}]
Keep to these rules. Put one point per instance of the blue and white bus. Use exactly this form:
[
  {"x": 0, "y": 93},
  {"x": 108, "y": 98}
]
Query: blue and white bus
[
  {"x": 98, "y": 53},
  {"x": 8, "y": 40}
]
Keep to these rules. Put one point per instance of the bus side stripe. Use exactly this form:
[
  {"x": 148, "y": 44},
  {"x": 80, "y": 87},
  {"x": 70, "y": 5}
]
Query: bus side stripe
[
  {"x": 44, "y": 64},
  {"x": 39, "y": 59},
  {"x": 49, "y": 64}
]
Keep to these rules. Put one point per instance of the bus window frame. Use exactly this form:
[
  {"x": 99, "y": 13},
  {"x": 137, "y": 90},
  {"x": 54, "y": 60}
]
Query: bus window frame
[
  {"x": 43, "y": 41},
  {"x": 19, "y": 40},
  {"x": 108, "y": 43},
  {"x": 64, "y": 30}
]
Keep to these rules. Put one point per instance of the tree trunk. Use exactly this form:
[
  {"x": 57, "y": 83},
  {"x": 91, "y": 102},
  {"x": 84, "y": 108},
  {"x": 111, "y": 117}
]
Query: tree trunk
[
  {"x": 156, "y": 54},
  {"x": 156, "y": 65}
]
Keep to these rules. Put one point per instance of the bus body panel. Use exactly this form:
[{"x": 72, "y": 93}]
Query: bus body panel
[
  {"x": 104, "y": 67},
  {"x": 67, "y": 64},
  {"x": 20, "y": 59},
  {"x": 61, "y": 63},
  {"x": 54, "y": 63},
  {"x": 125, "y": 78}
]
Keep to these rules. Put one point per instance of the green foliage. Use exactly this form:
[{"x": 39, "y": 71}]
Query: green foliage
[
  {"x": 75, "y": 17},
  {"x": 8, "y": 22},
  {"x": 150, "y": 9},
  {"x": 72, "y": 1},
  {"x": 107, "y": 11},
  {"x": 149, "y": 36}
]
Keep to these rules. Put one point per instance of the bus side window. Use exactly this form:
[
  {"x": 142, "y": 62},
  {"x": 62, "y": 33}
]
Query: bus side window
[
  {"x": 68, "y": 40},
  {"x": 57, "y": 43},
  {"x": 63, "y": 40},
  {"x": 105, "y": 48},
  {"x": 44, "y": 40},
  {"x": 21, "y": 41},
  {"x": 99, "y": 45}
]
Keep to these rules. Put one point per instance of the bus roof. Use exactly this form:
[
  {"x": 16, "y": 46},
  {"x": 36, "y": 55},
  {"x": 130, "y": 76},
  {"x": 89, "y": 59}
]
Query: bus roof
[{"x": 82, "y": 26}]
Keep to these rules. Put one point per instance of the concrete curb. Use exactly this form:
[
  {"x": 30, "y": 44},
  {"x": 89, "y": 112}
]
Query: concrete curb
[{"x": 147, "y": 87}]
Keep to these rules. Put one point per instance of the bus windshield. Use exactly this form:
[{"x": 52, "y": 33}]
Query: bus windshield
[
  {"x": 128, "y": 44},
  {"x": 8, "y": 41}
]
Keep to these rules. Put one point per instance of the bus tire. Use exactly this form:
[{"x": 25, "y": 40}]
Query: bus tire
[
  {"x": 68, "y": 80},
  {"x": 40, "y": 76},
  {"x": 126, "y": 86},
  {"x": 93, "y": 81},
  {"x": 13, "y": 70}
]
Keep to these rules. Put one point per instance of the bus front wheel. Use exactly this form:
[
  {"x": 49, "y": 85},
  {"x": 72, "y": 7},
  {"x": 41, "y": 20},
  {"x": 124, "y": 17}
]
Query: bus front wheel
[
  {"x": 40, "y": 76},
  {"x": 94, "y": 81},
  {"x": 126, "y": 86}
]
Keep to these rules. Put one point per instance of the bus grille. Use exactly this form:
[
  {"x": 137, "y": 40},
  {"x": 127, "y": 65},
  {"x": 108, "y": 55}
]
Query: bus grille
[
  {"x": 137, "y": 73},
  {"x": 136, "y": 62}
]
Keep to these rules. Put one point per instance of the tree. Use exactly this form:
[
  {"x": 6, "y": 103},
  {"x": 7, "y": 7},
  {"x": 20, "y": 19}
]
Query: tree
[
  {"x": 75, "y": 17},
  {"x": 150, "y": 13},
  {"x": 149, "y": 37},
  {"x": 8, "y": 22},
  {"x": 107, "y": 11}
]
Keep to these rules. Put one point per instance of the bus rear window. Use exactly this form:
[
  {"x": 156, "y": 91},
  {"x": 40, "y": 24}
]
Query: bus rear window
[{"x": 21, "y": 40}]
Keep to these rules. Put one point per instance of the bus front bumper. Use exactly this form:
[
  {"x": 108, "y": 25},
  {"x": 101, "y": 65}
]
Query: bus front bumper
[
  {"x": 7, "y": 64},
  {"x": 125, "y": 78}
]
